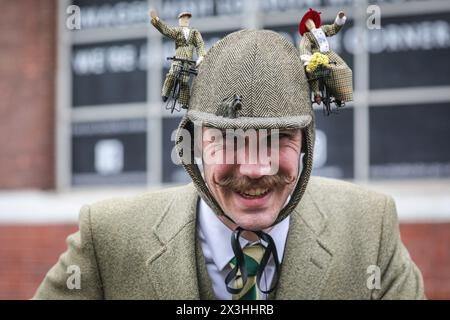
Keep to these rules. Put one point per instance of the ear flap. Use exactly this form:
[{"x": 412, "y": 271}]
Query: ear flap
[
  {"x": 190, "y": 165},
  {"x": 300, "y": 188}
]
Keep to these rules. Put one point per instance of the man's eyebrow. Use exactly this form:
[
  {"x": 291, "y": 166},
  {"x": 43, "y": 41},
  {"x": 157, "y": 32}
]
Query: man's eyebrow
[{"x": 289, "y": 132}]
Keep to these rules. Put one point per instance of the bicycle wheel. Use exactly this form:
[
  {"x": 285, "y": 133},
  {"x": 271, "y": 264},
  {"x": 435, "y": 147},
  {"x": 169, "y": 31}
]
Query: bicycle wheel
[
  {"x": 174, "y": 95},
  {"x": 326, "y": 101},
  {"x": 171, "y": 102}
]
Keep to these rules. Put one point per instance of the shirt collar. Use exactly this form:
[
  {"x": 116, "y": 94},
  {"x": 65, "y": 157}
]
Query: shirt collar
[
  {"x": 218, "y": 236},
  {"x": 186, "y": 31}
]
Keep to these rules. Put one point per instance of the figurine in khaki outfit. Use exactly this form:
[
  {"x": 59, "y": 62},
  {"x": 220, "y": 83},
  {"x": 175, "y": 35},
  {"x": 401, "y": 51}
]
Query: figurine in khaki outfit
[
  {"x": 318, "y": 236},
  {"x": 186, "y": 39}
]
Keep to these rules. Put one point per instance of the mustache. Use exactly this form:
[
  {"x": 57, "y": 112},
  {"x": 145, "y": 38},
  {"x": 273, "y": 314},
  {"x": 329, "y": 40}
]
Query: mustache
[{"x": 265, "y": 182}]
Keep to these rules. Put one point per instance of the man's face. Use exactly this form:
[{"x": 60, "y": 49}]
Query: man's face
[
  {"x": 310, "y": 25},
  {"x": 184, "y": 21},
  {"x": 247, "y": 192}
]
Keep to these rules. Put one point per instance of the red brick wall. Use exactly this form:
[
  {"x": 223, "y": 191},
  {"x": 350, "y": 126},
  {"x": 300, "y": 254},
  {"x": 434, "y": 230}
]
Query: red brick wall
[
  {"x": 429, "y": 246},
  {"x": 27, "y": 81},
  {"x": 28, "y": 252}
]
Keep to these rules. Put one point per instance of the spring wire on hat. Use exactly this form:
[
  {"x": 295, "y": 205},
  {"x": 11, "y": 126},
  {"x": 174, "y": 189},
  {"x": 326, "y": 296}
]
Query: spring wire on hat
[{"x": 270, "y": 250}]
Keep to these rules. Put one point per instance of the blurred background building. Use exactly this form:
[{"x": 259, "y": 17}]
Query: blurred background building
[{"x": 81, "y": 118}]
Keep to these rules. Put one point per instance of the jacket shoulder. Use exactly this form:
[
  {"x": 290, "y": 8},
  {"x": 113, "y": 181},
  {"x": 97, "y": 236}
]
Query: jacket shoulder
[
  {"x": 141, "y": 210},
  {"x": 352, "y": 212},
  {"x": 360, "y": 229},
  {"x": 347, "y": 204},
  {"x": 338, "y": 193}
]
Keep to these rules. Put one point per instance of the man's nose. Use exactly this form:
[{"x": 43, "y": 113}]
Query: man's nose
[
  {"x": 251, "y": 163},
  {"x": 254, "y": 171}
]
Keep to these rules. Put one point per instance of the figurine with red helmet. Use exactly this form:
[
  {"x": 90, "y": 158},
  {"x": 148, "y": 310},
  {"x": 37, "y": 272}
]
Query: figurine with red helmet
[{"x": 314, "y": 40}]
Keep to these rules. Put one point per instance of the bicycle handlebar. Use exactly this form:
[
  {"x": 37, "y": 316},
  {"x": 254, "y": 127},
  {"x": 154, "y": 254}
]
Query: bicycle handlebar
[{"x": 181, "y": 60}]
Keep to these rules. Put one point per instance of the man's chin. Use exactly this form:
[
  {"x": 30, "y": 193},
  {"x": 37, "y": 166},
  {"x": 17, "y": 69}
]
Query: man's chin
[{"x": 255, "y": 221}]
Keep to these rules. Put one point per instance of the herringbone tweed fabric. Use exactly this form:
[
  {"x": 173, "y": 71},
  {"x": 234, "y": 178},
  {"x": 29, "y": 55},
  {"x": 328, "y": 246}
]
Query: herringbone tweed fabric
[
  {"x": 340, "y": 82},
  {"x": 264, "y": 69}
]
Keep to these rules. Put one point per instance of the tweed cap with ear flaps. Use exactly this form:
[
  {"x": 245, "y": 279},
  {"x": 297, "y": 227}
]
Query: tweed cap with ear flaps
[{"x": 264, "y": 69}]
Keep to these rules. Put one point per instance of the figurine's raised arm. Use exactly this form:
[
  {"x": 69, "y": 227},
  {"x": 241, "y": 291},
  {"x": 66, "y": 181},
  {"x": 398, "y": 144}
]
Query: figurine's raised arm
[
  {"x": 161, "y": 26},
  {"x": 331, "y": 29}
]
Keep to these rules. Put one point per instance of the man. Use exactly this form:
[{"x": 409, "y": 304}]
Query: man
[
  {"x": 292, "y": 237},
  {"x": 186, "y": 39}
]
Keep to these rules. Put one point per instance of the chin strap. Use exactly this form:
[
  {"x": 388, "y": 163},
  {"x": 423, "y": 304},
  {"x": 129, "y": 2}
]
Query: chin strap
[{"x": 270, "y": 250}]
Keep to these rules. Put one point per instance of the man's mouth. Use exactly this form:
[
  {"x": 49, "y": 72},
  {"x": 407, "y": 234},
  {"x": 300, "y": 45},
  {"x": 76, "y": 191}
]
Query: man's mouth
[{"x": 253, "y": 193}]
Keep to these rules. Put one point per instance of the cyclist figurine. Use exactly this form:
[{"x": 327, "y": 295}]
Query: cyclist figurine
[
  {"x": 314, "y": 39},
  {"x": 186, "y": 39}
]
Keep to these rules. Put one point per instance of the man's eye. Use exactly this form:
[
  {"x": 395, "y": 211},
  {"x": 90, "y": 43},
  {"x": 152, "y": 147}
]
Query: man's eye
[{"x": 280, "y": 136}]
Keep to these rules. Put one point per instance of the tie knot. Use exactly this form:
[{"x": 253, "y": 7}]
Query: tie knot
[{"x": 252, "y": 255}]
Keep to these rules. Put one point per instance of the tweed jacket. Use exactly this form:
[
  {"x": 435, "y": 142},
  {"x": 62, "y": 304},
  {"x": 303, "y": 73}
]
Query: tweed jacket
[{"x": 145, "y": 248}]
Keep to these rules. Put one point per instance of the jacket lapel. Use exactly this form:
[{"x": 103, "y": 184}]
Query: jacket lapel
[
  {"x": 173, "y": 270},
  {"x": 307, "y": 257},
  {"x": 181, "y": 36},
  {"x": 204, "y": 281}
]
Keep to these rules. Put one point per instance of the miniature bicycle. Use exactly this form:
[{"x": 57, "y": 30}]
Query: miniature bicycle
[
  {"x": 180, "y": 72},
  {"x": 321, "y": 74}
]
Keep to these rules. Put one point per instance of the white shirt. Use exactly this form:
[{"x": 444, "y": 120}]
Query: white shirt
[
  {"x": 186, "y": 32},
  {"x": 215, "y": 239},
  {"x": 321, "y": 40}
]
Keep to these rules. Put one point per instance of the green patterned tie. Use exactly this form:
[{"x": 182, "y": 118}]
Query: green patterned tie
[{"x": 252, "y": 255}]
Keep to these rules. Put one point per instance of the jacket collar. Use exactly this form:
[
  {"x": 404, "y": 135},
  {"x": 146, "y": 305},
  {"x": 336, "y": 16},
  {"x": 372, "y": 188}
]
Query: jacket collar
[
  {"x": 181, "y": 34},
  {"x": 173, "y": 269}
]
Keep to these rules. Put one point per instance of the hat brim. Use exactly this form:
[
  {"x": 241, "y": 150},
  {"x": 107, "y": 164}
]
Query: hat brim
[
  {"x": 184, "y": 15},
  {"x": 211, "y": 120}
]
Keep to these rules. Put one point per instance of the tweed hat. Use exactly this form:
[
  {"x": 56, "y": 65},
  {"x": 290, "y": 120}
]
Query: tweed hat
[{"x": 264, "y": 70}]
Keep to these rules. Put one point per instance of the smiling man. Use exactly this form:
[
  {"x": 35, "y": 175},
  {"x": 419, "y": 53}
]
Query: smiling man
[
  {"x": 252, "y": 224},
  {"x": 250, "y": 190}
]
